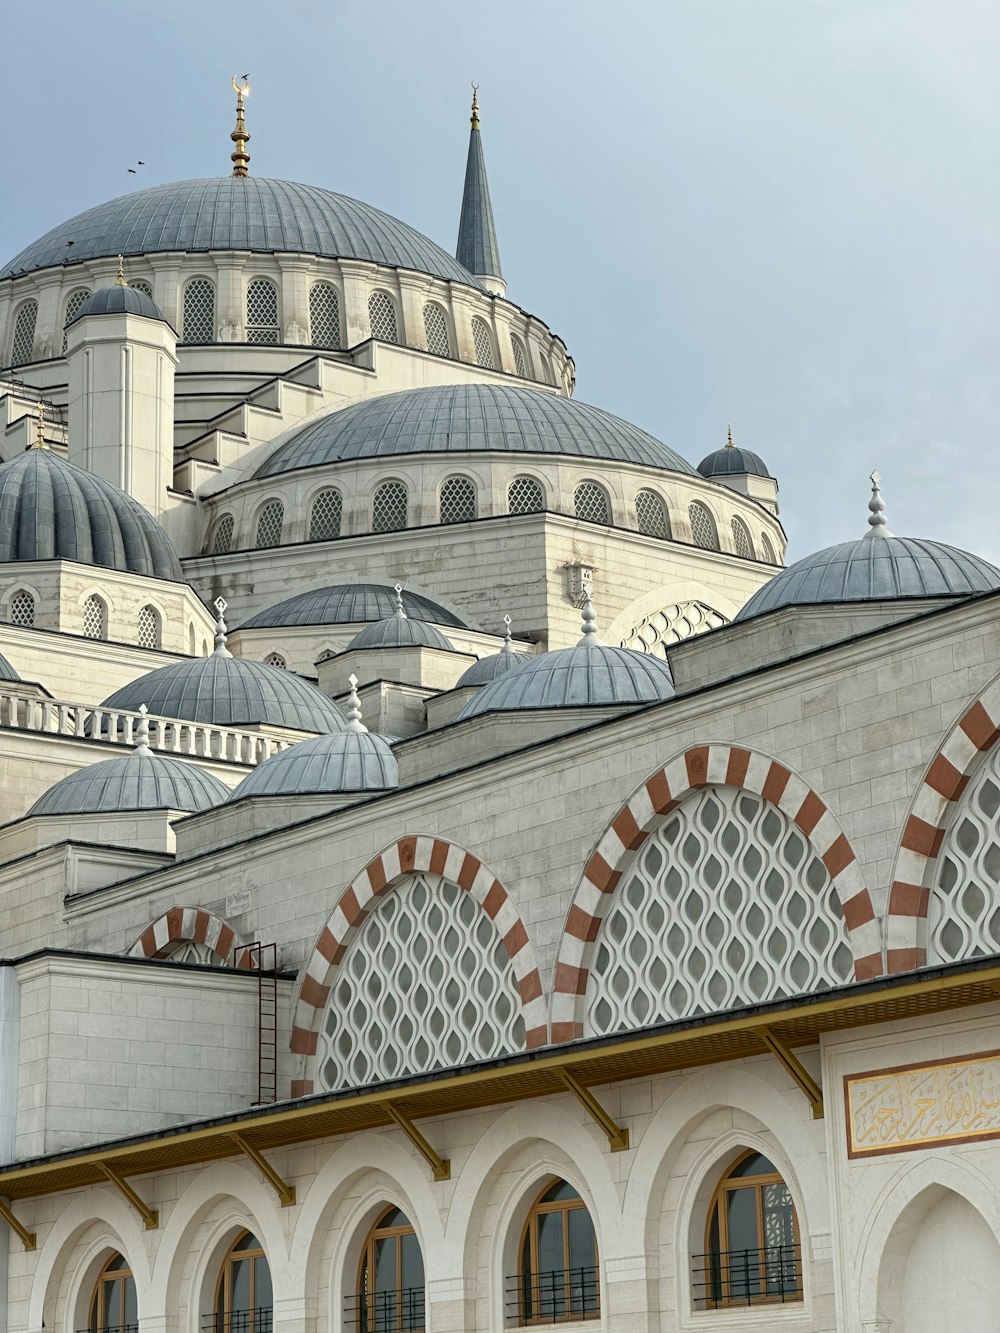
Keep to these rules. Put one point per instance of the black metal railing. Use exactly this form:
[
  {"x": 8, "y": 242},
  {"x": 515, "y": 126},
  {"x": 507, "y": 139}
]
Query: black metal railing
[
  {"x": 386, "y": 1311},
  {"x": 559, "y": 1294},
  {"x": 111, "y": 1328},
  {"x": 260, "y": 1320},
  {"x": 747, "y": 1277}
]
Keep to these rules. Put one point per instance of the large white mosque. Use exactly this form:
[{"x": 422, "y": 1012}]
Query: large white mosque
[{"x": 454, "y": 875}]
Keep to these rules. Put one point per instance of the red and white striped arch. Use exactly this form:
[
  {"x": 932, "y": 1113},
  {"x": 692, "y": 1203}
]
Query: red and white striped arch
[
  {"x": 183, "y": 925},
  {"x": 704, "y": 766}
]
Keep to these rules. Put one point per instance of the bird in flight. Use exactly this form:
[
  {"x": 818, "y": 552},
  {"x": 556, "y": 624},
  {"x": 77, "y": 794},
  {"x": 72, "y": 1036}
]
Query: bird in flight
[{"x": 132, "y": 171}]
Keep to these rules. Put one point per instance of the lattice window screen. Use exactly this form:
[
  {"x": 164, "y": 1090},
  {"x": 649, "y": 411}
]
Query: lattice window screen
[
  {"x": 269, "y": 524},
  {"x": 324, "y": 315},
  {"x": 382, "y": 317},
  {"x": 24, "y": 333},
  {"x": 95, "y": 618},
  {"x": 590, "y": 501},
  {"x": 425, "y": 984},
  {"x": 436, "y": 329},
  {"x": 725, "y": 905},
  {"x": 73, "y": 305},
  {"x": 141, "y": 285},
  {"x": 520, "y": 356},
  {"x": 389, "y": 507},
  {"x": 741, "y": 539},
  {"x": 964, "y": 907},
  {"x": 21, "y": 610},
  {"x": 682, "y": 620},
  {"x": 276, "y": 660},
  {"x": 222, "y": 538},
  {"x": 149, "y": 628},
  {"x": 199, "y": 311},
  {"x": 483, "y": 343},
  {"x": 652, "y": 514},
  {"x": 458, "y": 500},
  {"x": 524, "y": 496},
  {"x": 325, "y": 517},
  {"x": 191, "y": 951},
  {"x": 767, "y": 549},
  {"x": 262, "y": 312},
  {"x": 702, "y": 527}
]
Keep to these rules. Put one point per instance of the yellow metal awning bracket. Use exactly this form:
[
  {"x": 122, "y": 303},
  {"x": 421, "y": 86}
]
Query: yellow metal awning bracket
[
  {"x": 796, "y": 1071},
  {"x": 28, "y": 1238},
  {"x": 617, "y": 1134},
  {"x": 284, "y": 1191},
  {"x": 440, "y": 1166},
  {"x": 150, "y": 1216}
]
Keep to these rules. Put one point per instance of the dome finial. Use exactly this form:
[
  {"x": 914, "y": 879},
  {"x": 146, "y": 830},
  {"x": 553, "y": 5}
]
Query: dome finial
[
  {"x": 353, "y": 709},
  {"x": 474, "y": 118},
  {"x": 121, "y": 272},
  {"x": 240, "y": 135},
  {"x": 220, "y": 605},
  {"x": 141, "y": 732},
  {"x": 507, "y": 636},
  {"x": 400, "y": 613},
  {"x": 39, "y": 441},
  {"x": 877, "y": 522},
  {"x": 729, "y": 437},
  {"x": 589, "y": 615}
]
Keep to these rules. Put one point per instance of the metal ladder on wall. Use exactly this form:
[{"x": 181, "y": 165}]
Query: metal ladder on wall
[{"x": 263, "y": 958}]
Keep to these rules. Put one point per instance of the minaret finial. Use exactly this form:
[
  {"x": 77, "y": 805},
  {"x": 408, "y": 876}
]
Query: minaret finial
[
  {"x": 240, "y": 135},
  {"x": 39, "y": 442},
  {"x": 401, "y": 614},
  {"x": 878, "y": 525},
  {"x": 141, "y": 732},
  {"x": 589, "y": 616},
  {"x": 220, "y": 605},
  {"x": 507, "y": 636},
  {"x": 729, "y": 437},
  {"x": 353, "y": 710},
  {"x": 474, "y": 118}
]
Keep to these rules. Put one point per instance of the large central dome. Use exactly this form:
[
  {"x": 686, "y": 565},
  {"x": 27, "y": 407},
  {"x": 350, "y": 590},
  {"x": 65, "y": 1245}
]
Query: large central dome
[{"x": 239, "y": 213}]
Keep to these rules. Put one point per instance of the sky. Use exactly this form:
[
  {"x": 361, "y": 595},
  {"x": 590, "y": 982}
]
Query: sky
[{"x": 776, "y": 213}]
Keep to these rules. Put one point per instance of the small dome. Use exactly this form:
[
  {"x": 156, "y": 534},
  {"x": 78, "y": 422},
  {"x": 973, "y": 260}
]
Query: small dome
[
  {"x": 489, "y": 668},
  {"x": 51, "y": 510},
  {"x": 400, "y": 631},
  {"x": 141, "y": 780},
  {"x": 732, "y": 461},
  {"x": 349, "y": 604},
  {"x": 120, "y": 300},
  {"x": 7, "y": 672},
  {"x": 590, "y": 673},
  {"x": 876, "y": 567}
]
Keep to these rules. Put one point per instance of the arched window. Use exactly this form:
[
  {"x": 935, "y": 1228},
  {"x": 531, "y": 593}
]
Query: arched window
[
  {"x": 199, "y": 311},
  {"x": 324, "y": 315},
  {"x": 114, "y": 1305},
  {"x": 524, "y": 496},
  {"x": 269, "y": 524},
  {"x": 767, "y": 550},
  {"x": 520, "y": 356},
  {"x": 670, "y": 624},
  {"x": 591, "y": 502},
  {"x": 222, "y": 538},
  {"x": 141, "y": 285},
  {"x": 389, "y": 507},
  {"x": 149, "y": 628},
  {"x": 558, "y": 1277},
  {"x": 243, "y": 1300},
  {"x": 22, "y": 608},
  {"x": 24, "y": 333},
  {"x": 652, "y": 514},
  {"x": 458, "y": 500},
  {"x": 73, "y": 305},
  {"x": 95, "y": 618},
  {"x": 752, "y": 1242},
  {"x": 550, "y": 373},
  {"x": 192, "y": 641},
  {"x": 324, "y": 519},
  {"x": 382, "y": 317},
  {"x": 741, "y": 539},
  {"x": 436, "y": 329},
  {"x": 964, "y": 907},
  {"x": 702, "y": 527},
  {"x": 482, "y": 341},
  {"x": 262, "y": 312},
  {"x": 390, "y": 1295},
  {"x": 276, "y": 660}
]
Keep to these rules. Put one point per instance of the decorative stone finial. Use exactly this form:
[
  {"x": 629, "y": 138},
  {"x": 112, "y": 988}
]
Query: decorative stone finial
[
  {"x": 240, "y": 135},
  {"x": 400, "y": 613},
  {"x": 729, "y": 437},
  {"x": 39, "y": 441},
  {"x": 354, "y": 722},
  {"x": 474, "y": 118},
  {"x": 141, "y": 732},
  {"x": 121, "y": 272},
  {"x": 221, "y": 628},
  {"x": 589, "y": 615},
  {"x": 507, "y": 636},
  {"x": 878, "y": 525}
]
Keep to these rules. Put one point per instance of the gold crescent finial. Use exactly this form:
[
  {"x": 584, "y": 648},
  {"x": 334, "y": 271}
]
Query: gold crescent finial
[
  {"x": 240, "y": 135},
  {"x": 474, "y": 118},
  {"x": 121, "y": 271},
  {"x": 40, "y": 427}
]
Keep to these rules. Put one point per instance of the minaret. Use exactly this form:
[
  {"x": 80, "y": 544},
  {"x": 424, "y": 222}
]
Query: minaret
[{"x": 477, "y": 248}]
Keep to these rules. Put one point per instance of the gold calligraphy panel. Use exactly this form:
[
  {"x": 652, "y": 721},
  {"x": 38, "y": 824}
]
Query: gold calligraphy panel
[{"x": 925, "y": 1105}]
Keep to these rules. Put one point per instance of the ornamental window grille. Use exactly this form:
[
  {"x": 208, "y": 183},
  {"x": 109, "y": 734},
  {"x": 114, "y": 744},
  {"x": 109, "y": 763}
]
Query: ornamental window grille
[
  {"x": 276, "y": 660},
  {"x": 191, "y": 951},
  {"x": 726, "y": 905},
  {"x": 483, "y": 343},
  {"x": 382, "y": 317},
  {"x": 95, "y": 618},
  {"x": 262, "y": 312},
  {"x": 149, "y": 628},
  {"x": 324, "y": 315},
  {"x": 964, "y": 908},
  {"x": 425, "y": 984},
  {"x": 702, "y": 527},
  {"x": 141, "y": 285},
  {"x": 73, "y": 305},
  {"x": 520, "y": 356},
  {"x": 458, "y": 500},
  {"x": 741, "y": 539},
  {"x": 389, "y": 507},
  {"x": 24, "y": 333},
  {"x": 671, "y": 624},
  {"x": 436, "y": 329},
  {"x": 525, "y": 496},
  {"x": 222, "y": 538},
  {"x": 199, "y": 311},
  {"x": 325, "y": 515},
  {"x": 244, "y": 1301},
  {"x": 21, "y": 609},
  {"x": 591, "y": 502},
  {"x": 269, "y": 524},
  {"x": 767, "y": 550},
  {"x": 114, "y": 1305},
  {"x": 652, "y": 514}
]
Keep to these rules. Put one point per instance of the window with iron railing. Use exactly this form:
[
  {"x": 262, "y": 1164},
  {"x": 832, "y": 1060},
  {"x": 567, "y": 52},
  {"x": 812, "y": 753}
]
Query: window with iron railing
[
  {"x": 390, "y": 1295},
  {"x": 555, "y": 1296},
  {"x": 772, "y": 1273},
  {"x": 558, "y": 1278},
  {"x": 113, "y": 1308},
  {"x": 259, "y": 1320},
  {"x": 243, "y": 1298}
]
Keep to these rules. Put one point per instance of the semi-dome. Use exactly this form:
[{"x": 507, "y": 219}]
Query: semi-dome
[
  {"x": 141, "y": 780},
  {"x": 733, "y": 461},
  {"x": 589, "y": 673},
  {"x": 349, "y": 604},
  {"x": 238, "y": 213},
  {"x": 400, "y": 631},
  {"x": 52, "y": 510},
  {"x": 876, "y": 567},
  {"x": 119, "y": 300},
  {"x": 469, "y": 418},
  {"x": 496, "y": 664}
]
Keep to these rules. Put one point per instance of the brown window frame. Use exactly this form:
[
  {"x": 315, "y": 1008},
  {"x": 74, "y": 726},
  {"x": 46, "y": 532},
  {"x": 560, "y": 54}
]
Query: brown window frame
[
  {"x": 224, "y": 1286},
  {"x": 109, "y": 1277},
  {"x": 367, "y": 1265},
  {"x": 529, "y": 1237},
  {"x": 727, "y": 1184}
]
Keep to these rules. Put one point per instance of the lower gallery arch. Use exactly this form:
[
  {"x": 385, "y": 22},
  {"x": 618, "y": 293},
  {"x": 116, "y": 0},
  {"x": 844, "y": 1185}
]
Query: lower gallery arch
[
  {"x": 396, "y": 867},
  {"x": 190, "y": 934},
  {"x": 801, "y": 810}
]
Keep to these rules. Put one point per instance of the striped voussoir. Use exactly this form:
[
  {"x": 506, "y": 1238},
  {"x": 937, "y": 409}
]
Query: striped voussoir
[
  {"x": 191, "y": 925},
  {"x": 704, "y": 766},
  {"x": 413, "y": 855},
  {"x": 972, "y": 736}
]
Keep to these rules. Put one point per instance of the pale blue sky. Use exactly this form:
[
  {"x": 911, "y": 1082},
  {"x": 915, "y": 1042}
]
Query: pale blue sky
[{"x": 781, "y": 213}]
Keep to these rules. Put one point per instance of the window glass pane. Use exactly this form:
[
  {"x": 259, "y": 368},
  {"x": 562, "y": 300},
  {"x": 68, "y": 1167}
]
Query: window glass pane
[
  {"x": 550, "y": 1242},
  {"x": 582, "y": 1276},
  {"x": 262, "y": 1284},
  {"x": 412, "y": 1263},
  {"x": 754, "y": 1165},
  {"x": 397, "y": 1218},
  {"x": 778, "y": 1214},
  {"x": 131, "y": 1305},
  {"x": 385, "y": 1264},
  {"x": 741, "y": 1215},
  {"x": 560, "y": 1191}
]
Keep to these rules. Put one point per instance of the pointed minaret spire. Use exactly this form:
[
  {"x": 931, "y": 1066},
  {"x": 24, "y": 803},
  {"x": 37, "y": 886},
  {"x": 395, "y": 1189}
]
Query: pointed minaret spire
[{"x": 477, "y": 248}]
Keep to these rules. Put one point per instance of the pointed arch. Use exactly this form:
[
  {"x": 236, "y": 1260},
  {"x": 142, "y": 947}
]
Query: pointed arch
[{"x": 191, "y": 925}]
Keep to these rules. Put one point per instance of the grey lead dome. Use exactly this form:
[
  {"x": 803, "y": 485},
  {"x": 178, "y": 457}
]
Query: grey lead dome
[
  {"x": 120, "y": 300},
  {"x": 348, "y": 762},
  {"x": 141, "y": 780},
  {"x": 348, "y": 604}
]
